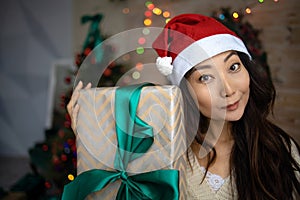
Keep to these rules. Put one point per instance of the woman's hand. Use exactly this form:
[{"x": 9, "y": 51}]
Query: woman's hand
[{"x": 73, "y": 107}]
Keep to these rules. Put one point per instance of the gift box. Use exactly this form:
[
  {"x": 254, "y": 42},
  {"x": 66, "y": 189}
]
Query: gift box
[{"x": 143, "y": 107}]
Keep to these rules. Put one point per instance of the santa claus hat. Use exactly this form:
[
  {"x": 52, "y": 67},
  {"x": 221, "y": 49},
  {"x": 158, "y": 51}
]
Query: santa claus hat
[{"x": 189, "y": 39}]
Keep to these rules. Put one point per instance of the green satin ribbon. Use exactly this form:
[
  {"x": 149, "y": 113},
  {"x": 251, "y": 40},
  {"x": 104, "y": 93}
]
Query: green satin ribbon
[{"x": 134, "y": 138}]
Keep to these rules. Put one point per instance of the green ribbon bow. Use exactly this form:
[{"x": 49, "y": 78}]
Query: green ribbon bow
[{"x": 134, "y": 138}]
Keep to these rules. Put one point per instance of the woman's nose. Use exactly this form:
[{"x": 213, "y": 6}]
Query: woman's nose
[{"x": 227, "y": 89}]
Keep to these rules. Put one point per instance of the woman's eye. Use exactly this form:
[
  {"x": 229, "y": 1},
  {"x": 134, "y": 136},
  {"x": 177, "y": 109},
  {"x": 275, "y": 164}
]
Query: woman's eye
[
  {"x": 205, "y": 78},
  {"x": 235, "y": 67}
]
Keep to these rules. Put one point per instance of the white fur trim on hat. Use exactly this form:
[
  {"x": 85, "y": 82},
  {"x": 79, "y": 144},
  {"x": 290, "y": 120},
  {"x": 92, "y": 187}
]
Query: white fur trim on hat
[
  {"x": 164, "y": 65},
  {"x": 204, "y": 49}
]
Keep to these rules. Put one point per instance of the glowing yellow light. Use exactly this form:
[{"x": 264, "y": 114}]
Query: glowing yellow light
[
  {"x": 166, "y": 14},
  {"x": 235, "y": 15},
  {"x": 248, "y": 10},
  {"x": 125, "y": 10},
  {"x": 157, "y": 11},
  {"x": 140, "y": 50},
  {"x": 136, "y": 75},
  {"x": 70, "y": 177},
  {"x": 167, "y": 20},
  {"x": 147, "y": 22}
]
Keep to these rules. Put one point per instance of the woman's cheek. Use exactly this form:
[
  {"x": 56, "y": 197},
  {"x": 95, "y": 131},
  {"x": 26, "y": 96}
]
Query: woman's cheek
[{"x": 204, "y": 102}]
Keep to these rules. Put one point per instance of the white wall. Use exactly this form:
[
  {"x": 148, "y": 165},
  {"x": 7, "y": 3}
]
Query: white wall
[{"x": 33, "y": 35}]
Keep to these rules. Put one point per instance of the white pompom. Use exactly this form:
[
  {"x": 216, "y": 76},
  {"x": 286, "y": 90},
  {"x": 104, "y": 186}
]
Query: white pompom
[{"x": 164, "y": 65}]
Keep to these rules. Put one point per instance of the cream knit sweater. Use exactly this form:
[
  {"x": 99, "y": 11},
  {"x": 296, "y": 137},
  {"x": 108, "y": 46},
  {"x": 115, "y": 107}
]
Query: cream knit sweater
[{"x": 197, "y": 191}]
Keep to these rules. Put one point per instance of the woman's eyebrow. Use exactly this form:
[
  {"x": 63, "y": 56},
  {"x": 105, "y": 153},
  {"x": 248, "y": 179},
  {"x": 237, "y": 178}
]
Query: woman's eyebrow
[
  {"x": 203, "y": 67},
  {"x": 229, "y": 55}
]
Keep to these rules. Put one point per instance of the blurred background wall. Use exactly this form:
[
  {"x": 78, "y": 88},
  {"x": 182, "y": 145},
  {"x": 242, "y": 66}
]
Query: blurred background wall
[{"x": 34, "y": 34}]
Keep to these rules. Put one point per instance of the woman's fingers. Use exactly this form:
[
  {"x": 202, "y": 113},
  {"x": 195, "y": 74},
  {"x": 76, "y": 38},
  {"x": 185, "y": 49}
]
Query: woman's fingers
[
  {"x": 74, "y": 117},
  {"x": 74, "y": 98},
  {"x": 88, "y": 86},
  {"x": 78, "y": 86},
  {"x": 72, "y": 106}
]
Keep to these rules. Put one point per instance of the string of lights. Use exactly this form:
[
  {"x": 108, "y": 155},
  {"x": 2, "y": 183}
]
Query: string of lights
[{"x": 152, "y": 11}]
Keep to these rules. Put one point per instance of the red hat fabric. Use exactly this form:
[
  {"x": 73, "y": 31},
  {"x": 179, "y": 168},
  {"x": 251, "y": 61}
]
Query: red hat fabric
[{"x": 189, "y": 39}]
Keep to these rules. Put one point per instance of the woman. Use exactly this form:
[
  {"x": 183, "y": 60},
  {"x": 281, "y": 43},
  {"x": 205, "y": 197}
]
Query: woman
[{"x": 237, "y": 152}]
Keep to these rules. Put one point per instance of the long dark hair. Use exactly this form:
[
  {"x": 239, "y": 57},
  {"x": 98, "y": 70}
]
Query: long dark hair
[{"x": 261, "y": 162}]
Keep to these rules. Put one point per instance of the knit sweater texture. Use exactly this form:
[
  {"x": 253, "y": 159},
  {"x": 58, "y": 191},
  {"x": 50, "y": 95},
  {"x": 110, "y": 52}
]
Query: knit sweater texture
[{"x": 203, "y": 191}]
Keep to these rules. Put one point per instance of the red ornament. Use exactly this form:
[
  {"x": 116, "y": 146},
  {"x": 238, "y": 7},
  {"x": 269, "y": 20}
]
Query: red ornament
[
  {"x": 62, "y": 97},
  {"x": 70, "y": 142},
  {"x": 67, "y": 124},
  {"x": 87, "y": 51},
  {"x": 45, "y": 147},
  {"x": 62, "y": 105},
  {"x": 112, "y": 65},
  {"x": 78, "y": 59},
  {"x": 68, "y": 80},
  {"x": 107, "y": 72},
  {"x": 48, "y": 184},
  {"x": 63, "y": 157},
  {"x": 61, "y": 133},
  {"x": 73, "y": 148},
  {"x": 67, "y": 117},
  {"x": 55, "y": 160}
]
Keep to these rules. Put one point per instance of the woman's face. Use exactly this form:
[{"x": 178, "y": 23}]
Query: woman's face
[{"x": 220, "y": 86}]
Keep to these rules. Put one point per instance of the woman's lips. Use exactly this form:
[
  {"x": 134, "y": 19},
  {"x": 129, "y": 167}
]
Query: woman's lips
[{"x": 232, "y": 107}]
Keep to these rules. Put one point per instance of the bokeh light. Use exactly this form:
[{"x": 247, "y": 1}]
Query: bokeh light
[
  {"x": 167, "y": 20},
  {"x": 140, "y": 50},
  {"x": 139, "y": 66},
  {"x": 125, "y": 10},
  {"x": 149, "y": 5},
  {"x": 222, "y": 16},
  {"x": 126, "y": 57},
  {"x": 71, "y": 177},
  {"x": 141, "y": 40},
  {"x": 166, "y": 14},
  {"x": 147, "y": 22},
  {"x": 157, "y": 11},
  {"x": 146, "y": 31},
  {"x": 136, "y": 75},
  {"x": 235, "y": 15},
  {"x": 248, "y": 11},
  {"x": 148, "y": 13}
]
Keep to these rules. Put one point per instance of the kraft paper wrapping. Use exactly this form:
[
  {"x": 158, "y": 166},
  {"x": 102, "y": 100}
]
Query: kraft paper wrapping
[{"x": 160, "y": 106}]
